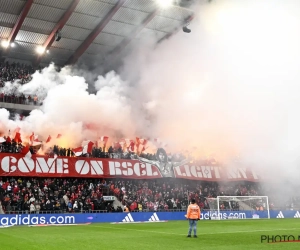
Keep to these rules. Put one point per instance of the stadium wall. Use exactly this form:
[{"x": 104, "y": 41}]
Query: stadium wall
[{"x": 55, "y": 219}]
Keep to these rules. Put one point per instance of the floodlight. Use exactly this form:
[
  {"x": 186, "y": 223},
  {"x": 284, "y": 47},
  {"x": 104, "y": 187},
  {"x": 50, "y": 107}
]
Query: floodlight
[
  {"x": 164, "y": 3},
  {"x": 12, "y": 45},
  {"x": 40, "y": 49},
  {"x": 4, "y": 43}
]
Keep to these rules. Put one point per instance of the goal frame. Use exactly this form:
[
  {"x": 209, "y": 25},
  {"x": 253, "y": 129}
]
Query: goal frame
[{"x": 232, "y": 197}]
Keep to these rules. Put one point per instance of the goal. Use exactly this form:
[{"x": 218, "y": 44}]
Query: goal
[{"x": 236, "y": 207}]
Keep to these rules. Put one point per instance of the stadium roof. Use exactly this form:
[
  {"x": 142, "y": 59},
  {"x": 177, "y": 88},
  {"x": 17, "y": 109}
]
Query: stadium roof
[{"x": 89, "y": 28}]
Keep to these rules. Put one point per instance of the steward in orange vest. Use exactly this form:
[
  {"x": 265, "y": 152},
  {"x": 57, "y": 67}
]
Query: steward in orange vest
[{"x": 193, "y": 215}]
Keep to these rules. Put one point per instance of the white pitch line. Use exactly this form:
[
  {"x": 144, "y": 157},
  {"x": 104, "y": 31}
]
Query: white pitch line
[
  {"x": 232, "y": 232},
  {"x": 6, "y": 226},
  {"x": 137, "y": 230}
]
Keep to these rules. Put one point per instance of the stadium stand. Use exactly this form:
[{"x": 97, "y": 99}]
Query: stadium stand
[
  {"x": 11, "y": 72},
  {"x": 20, "y": 73},
  {"x": 42, "y": 195}
]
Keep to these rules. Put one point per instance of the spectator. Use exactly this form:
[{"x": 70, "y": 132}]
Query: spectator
[
  {"x": 76, "y": 207},
  {"x": 32, "y": 208},
  {"x": 37, "y": 207},
  {"x": 1, "y": 208},
  {"x": 35, "y": 100}
]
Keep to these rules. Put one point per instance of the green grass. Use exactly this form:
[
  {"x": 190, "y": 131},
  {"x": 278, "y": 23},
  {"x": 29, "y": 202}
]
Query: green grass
[{"x": 227, "y": 234}]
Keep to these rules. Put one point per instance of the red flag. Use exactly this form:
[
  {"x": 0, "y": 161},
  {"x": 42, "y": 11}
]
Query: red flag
[
  {"x": 78, "y": 151},
  {"x": 88, "y": 148},
  {"x": 104, "y": 139},
  {"x": 132, "y": 145},
  {"x": 18, "y": 137},
  {"x": 26, "y": 151},
  {"x": 138, "y": 141},
  {"x": 8, "y": 139},
  {"x": 36, "y": 142},
  {"x": 143, "y": 142},
  {"x": 58, "y": 136},
  {"x": 48, "y": 139}
]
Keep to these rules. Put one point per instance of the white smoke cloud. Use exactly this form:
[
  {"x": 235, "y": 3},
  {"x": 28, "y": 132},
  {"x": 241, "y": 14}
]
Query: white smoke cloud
[
  {"x": 70, "y": 110},
  {"x": 230, "y": 88}
]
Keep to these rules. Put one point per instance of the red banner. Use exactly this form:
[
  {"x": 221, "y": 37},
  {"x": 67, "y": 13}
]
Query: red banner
[{"x": 43, "y": 166}]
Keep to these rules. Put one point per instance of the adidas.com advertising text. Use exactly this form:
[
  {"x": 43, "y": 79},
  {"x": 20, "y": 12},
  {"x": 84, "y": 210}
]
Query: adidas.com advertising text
[{"x": 33, "y": 219}]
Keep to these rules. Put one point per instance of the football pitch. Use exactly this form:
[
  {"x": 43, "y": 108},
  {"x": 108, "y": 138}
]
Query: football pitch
[{"x": 225, "y": 234}]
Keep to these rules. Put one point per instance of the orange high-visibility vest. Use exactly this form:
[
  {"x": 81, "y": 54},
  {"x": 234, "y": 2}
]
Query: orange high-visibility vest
[{"x": 193, "y": 212}]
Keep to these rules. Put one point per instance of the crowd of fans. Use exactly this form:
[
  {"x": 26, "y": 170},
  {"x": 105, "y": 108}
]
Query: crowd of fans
[
  {"x": 11, "y": 72},
  {"x": 97, "y": 152},
  {"x": 36, "y": 195},
  {"x": 15, "y": 71},
  {"x": 10, "y": 146}
]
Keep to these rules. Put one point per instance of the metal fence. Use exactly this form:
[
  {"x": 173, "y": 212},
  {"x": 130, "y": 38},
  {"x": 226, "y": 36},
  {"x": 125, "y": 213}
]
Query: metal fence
[
  {"x": 135, "y": 211},
  {"x": 90, "y": 211},
  {"x": 19, "y": 100}
]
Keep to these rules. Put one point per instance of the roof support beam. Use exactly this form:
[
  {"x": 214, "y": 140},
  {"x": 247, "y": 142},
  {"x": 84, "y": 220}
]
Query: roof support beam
[
  {"x": 61, "y": 23},
  {"x": 127, "y": 40},
  {"x": 20, "y": 21},
  {"x": 88, "y": 41}
]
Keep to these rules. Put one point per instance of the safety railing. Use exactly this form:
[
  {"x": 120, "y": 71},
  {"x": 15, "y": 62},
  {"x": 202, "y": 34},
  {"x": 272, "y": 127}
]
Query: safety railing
[
  {"x": 134, "y": 211},
  {"x": 19, "y": 100},
  {"x": 89, "y": 211}
]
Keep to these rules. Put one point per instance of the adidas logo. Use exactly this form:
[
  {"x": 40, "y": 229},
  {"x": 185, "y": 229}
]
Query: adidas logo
[
  {"x": 128, "y": 218},
  {"x": 297, "y": 215},
  {"x": 154, "y": 217},
  {"x": 280, "y": 215}
]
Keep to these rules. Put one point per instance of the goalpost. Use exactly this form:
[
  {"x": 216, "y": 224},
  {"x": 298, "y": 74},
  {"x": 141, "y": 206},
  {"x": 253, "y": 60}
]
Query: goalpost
[{"x": 237, "y": 205}]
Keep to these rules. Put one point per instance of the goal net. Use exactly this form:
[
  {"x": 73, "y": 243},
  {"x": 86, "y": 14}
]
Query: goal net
[{"x": 237, "y": 206}]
